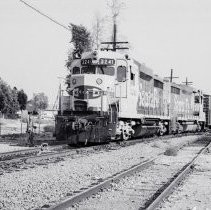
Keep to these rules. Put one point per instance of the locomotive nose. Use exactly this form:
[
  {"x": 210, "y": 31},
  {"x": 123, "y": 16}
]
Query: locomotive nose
[
  {"x": 76, "y": 81},
  {"x": 87, "y": 92}
]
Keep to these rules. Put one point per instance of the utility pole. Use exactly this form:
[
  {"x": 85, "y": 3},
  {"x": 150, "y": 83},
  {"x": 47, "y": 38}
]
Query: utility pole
[
  {"x": 21, "y": 121},
  {"x": 0, "y": 122},
  {"x": 115, "y": 6},
  {"x": 114, "y": 42},
  {"x": 187, "y": 82},
  {"x": 97, "y": 34},
  {"x": 114, "y": 34},
  {"x": 60, "y": 93},
  {"x": 171, "y": 76}
]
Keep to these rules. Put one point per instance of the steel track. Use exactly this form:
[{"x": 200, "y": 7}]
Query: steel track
[
  {"x": 33, "y": 151},
  {"x": 151, "y": 204},
  {"x": 34, "y": 158},
  {"x": 94, "y": 188},
  {"x": 174, "y": 182},
  {"x": 28, "y": 152},
  {"x": 11, "y": 161},
  {"x": 18, "y": 153}
]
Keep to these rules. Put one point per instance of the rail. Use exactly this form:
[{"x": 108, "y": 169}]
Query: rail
[
  {"x": 175, "y": 181},
  {"x": 94, "y": 188}
]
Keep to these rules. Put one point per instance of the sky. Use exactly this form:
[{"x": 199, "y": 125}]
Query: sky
[{"x": 163, "y": 34}]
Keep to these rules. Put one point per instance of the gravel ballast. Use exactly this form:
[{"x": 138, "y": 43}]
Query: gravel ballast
[
  {"x": 134, "y": 191},
  {"x": 50, "y": 183},
  {"x": 195, "y": 191}
]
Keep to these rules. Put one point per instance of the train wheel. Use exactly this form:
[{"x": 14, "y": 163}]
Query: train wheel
[
  {"x": 124, "y": 136},
  {"x": 160, "y": 133}
]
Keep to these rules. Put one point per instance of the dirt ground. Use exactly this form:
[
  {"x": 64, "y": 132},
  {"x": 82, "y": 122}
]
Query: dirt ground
[
  {"x": 10, "y": 148},
  {"x": 10, "y": 126}
]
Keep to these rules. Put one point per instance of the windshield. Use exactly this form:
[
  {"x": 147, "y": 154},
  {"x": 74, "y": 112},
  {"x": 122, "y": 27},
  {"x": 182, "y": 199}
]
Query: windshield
[
  {"x": 76, "y": 70},
  {"x": 88, "y": 70},
  {"x": 108, "y": 70}
]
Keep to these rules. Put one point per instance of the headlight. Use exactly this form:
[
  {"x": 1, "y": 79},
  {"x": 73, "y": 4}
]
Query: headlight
[{"x": 74, "y": 81}]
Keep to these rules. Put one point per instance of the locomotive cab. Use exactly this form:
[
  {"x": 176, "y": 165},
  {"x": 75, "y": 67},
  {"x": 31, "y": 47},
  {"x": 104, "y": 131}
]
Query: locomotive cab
[{"x": 94, "y": 90}]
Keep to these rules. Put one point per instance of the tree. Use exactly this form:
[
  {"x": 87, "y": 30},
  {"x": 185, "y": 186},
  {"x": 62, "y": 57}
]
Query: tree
[
  {"x": 97, "y": 31},
  {"x": 22, "y": 99},
  {"x": 14, "y": 100},
  {"x": 2, "y": 100},
  {"x": 4, "y": 97},
  {"x": 81, "y": 40},
  {"x": 8, "y": 100},
  {"x": 39, "y": 101},
  {"x": 115, "y": 6}
]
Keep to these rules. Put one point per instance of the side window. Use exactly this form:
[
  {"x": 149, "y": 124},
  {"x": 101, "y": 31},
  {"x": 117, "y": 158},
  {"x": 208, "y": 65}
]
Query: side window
[
  {"x": 196, "y": 100},
  {"x": 76, "y": 70},
  {"x": 175, "y": 90},
  {"x": 121, "y": 73},
  {"x": 132, "y": 77},
  {"x": 158, "y": 84}
]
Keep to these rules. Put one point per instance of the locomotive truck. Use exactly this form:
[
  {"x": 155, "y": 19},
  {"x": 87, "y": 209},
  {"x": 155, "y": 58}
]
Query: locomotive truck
[{"x": 112, "y": 96}]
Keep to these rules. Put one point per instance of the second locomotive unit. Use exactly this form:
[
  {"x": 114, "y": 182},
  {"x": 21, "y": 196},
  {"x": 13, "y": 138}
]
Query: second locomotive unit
[{"x": 114, "y": 97}]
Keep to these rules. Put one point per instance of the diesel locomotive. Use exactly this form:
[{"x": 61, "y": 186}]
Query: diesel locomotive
[{"x": 112, "y": 96}]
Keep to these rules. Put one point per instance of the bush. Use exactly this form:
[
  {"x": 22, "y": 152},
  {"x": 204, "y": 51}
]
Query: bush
[{"x": 171, "y": 151}]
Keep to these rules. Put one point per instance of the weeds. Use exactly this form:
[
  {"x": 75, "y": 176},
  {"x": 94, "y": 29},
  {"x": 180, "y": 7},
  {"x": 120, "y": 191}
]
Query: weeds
[{"x": 171, "y": 151}]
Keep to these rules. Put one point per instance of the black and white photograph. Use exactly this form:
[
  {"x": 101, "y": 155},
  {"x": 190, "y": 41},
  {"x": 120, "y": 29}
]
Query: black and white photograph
[{"x": 105, "y": 105}]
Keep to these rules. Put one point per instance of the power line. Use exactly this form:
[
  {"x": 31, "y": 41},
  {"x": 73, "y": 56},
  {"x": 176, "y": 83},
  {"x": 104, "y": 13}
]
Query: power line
[
  {"x": 52, "y": 19},
  {"x": 41, "y": 13}
]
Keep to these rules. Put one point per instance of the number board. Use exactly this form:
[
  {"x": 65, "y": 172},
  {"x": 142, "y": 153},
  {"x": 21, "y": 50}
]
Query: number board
[
  {"x": 106, "y": 61},
  {"x": 86, "y": 61}
]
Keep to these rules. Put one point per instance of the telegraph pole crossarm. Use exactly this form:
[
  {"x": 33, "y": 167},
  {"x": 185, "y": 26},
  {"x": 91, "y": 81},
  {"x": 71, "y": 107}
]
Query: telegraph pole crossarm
[
  {"x": 171, "y": 76},
  {"x": 113, "y": 42},
  {"x": 115, "y": 47},
  {"x": 187, "y": 82}
]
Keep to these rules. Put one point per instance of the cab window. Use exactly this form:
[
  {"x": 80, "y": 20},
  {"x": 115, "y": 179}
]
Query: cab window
[
  {"x": 121, "y": 73},
  {"x": 76, "y": 70},
  {"x": 88, "y": 70},
  {"x": 108, "y": 70}
]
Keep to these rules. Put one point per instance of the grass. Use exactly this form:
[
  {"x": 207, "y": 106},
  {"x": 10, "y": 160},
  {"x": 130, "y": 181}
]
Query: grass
[{"x": 171, "y": 151}]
